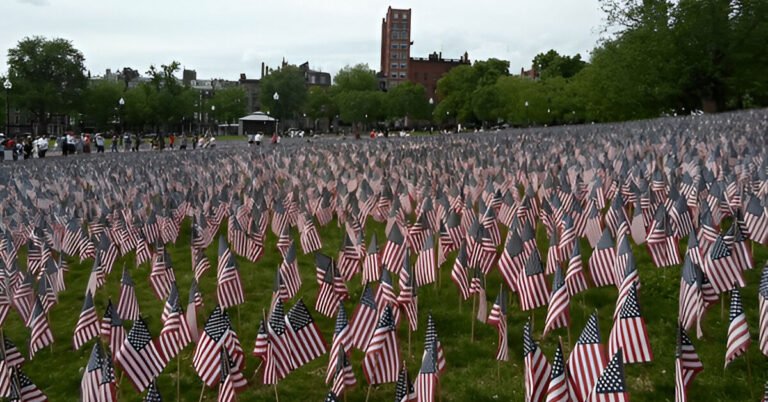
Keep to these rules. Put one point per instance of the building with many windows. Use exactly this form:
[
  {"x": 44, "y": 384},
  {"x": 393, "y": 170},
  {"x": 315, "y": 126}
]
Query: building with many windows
[{"x": 395, "y": 46}]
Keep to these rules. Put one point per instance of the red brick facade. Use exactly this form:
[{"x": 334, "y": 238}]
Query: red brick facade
[
  {"x": 395, "y": 46},
  {"x": 427, "y": 71}
]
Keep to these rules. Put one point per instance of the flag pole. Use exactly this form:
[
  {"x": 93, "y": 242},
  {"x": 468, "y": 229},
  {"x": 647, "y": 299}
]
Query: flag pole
[
  {"x": 368, "y": 394},
  {"x": 202, "y": 390},
  {"x": 277, "y": 397},
  {"x": 178, "y": 377}
]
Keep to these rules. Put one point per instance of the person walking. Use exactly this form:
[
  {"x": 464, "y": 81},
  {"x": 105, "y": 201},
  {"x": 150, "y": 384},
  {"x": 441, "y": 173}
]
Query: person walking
[
  {"x": 28, "y": 147},
  {"x": 115, "y": 139},
  {"x": 194, "y": 142},
  {"x": 171, "y": 140},
  {"x": 99, "y": 143},
  {"x": 42, "y": 147},
  {"x": 127, "y": 142},
  {"x": 136, "y": 143},
  {"x": 183, "y": 145}
]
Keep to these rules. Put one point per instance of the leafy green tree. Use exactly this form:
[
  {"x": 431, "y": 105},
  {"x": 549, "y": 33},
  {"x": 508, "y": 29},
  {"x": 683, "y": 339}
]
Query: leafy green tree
[
  {"x": 361, "y": 106},
  {"x": 407, "y": 100},
  {"x": 288, "y": 83},
  {"x": 320, "y": 103},
  {"x": 357, "y": 78},
  {"x": 101, "y": 105},
  {"x": 171, "y": 100},
  {"x": 140, "y": 106},
  {"x": 552, "y": 64},
  {"x": 230, "y": 104},
  {"x": 457, "y": 89},
  {"x": 48, "y": 76}
]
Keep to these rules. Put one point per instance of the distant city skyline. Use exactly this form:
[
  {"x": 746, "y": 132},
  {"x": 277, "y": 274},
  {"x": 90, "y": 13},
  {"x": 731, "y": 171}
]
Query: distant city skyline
[{"x": 225, "y": 38}]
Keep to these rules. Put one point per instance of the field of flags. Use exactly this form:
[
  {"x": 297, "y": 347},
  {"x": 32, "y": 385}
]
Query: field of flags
[{"x": 583, "y": 263}]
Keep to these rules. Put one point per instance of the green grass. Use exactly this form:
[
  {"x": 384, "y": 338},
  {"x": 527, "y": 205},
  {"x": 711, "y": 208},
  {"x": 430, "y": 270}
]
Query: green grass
[{"x": 472, "y": 370}]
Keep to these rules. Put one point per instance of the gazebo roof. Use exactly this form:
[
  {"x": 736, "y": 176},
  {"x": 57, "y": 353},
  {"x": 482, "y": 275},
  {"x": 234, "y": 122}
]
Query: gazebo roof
[{"x": 258, "y": 116}]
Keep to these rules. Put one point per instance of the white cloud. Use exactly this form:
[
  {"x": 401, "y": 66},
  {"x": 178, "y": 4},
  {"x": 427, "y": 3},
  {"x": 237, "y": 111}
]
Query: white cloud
[{"x": 34, "y": 2}]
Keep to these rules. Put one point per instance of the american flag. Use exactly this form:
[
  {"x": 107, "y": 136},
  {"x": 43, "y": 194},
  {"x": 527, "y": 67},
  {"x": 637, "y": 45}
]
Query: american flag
[
  {"x": 229, "y": 288},
  {"x": 153, "y": 394},
  {"x": 261, "y": 344},
  {"x": 558, "y": 314},
  {"x": 721, "y": 267},
  {"x": 587, "y": 360},
  {"x": 687, "y": 365},
  {"x": 637, "y": 226},
  {"x": 385, "y": 294},
  {"x": 691, "y": 302},
  {"x": 629, "y": 278},
  {"x": 432, "y": 344},
  {"x": 278, "y": 362},
  {"x": 408, "y": 299},
  {"x": 207, "y": 357},
  {"x": 342, "y": 341},
  {"x": 394, "y": 251},
  {"x": 108, "y": 253},
  {"x": 427, "y": 380},
  {"x": 13, "y": 357},
  {"x": 477, "y": 287},
  {"x": 98, "y": 383},
  {"x": 558, "y": 382},
  {"x": 161, "y": 276},
  {"x": 363, "y": 319},
  {"x": 629, "y": 334},
  {"x": 537, "y": 369},
  {"x": 289, "y": 270},
  {"x": 200, "y": 263},
  {"x": 332, "y": 289},
  {"x": 426, "y": 269},
  {"x": 575, "y": 280},
  {"x": 343, "y": 376},
  {"x": 459, "y": 272},
  {"x": 310, "y": 240},
  {"x": 306, "y": 342},
  {"x": 23, "y": 389},
  {"x": 611, "y": 386},
  {"x": 349, "y": 259},
  {"x": 371, "y": 263},
  {"x": 41, "y": 335},
  {"x": 532, "y": 285},
  {"x": 602, "y": 260},
  {"x": 138, "y": 357},
  {"x": 662, "y": 245},
  {"x": 498, "y": 319},
  {"x": 194, "y": 301},
  {"x": 112, "y": 328},
  {"x": 762, "y": 297},
  {"x": 404, "y": 391},
  {"x": 590, "y": 224},
  {"x": 756, "y": 219},
  {"x": 87, "y": 326},
  {"x": 381, "y": 363},
  {"x": 175, "y": 334},
  {"x": 738, "y": 330},
  {"x": 232, "y": 379},
  {"x": 284, "y": 240},
  {"x": 128, "y": 305},
  {"x": 142, "y": 250}
]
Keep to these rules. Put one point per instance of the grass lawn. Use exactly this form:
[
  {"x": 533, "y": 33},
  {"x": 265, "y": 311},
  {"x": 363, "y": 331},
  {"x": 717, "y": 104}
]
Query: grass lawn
[{"x": 472, "y": 372}]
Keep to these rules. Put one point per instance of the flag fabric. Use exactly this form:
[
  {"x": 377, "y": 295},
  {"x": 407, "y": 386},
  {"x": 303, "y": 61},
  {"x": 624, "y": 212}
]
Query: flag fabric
[
  {"x": 23, "y": 389},
  {"x": 498, "y": 319},
  {"x": 432, "y": 344},
  {"x": 341, "y": 343},
  {"x": 229, "y": 288},
  {"x": 404, "y": 390},
  {"x": 385, "y": 294},
  {"x": 161, "y": 276},
  {"x": 98, "y": 383},
  {"x": 427, "y": 380},
  {"x": 372, "y": 263},
  {"x": 532, "y": 285},
  {"x": 558, "y": 314},
  {"x": 691, "y": 304},
  {"x": 629, "y": 334},
  {"x": 112, "y": 329},
  {"x": 762, "y": 296},
  {"x": 426, "y": 268},
  {"x": 394, "y": 251},
  {"x": 687, "y": 365},
  {"x": 279, "y": 361},
  {"x": 587, "y": 361},
  {"x": 175, "y": 334},
  {"x": 381, "y": 363},
  {"x": 306, "y": 342},
  {"x": 331, "y": 290},
  {"x": 194, "y": 301},
  {"x": 575, "y": 280},
  {"x": 537, "y": 370},
  {"x": 512, "y": 259},
  {"x": 87, "y": 326},
  {"x": 138, "y": 357},
  {"x": 364, "y": 319},
  {"x": 232, "y": 379},
  {"x": 722, "y": 268},
  {"x": 41, "y": 335},
  {"x": 738, "y": 330},
  {"x": 611, "y": 386},
  {"x": 756, "y": 220},
  {"x": 459, "y": 272},
  {"x": 289, "y": 270},
  {"x": 128, "y": 305},
  {"x": 207, "y": 357},
  {"x": 343, "y": 376},
  {"x": 602, "y": 260},
  {"x": 153, "y": 394},
  {"x": 408, "y": 298},
  {"x": 557, "y": 391}
]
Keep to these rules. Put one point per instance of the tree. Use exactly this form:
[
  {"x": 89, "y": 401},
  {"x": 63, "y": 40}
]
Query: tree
[
  {"x": 48, "y": 77},
  {"x": 357, "y": 78},
  {"x": 457, "y": 88},
  {"x": 552, "y": 64},
  {"x": 320, "y": 103},
  {"x": 101, "y": 104},
  {"x": 174, "y": 102},
  {"x": 361, "y": 106},
  {"x": 230, "y": 104},
  {"x": 407, "y": 100},
  {"x": 288, "y": 83}
]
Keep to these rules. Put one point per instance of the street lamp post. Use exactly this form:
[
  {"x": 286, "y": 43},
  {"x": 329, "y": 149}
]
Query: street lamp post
[
  {"x": 213, "y": 119},
  {"x": 527, "y": 120},
  {"x": 121, "y": 103},
  {"x": 276, "y": 97},
  {"x": 7, "y": 85}
]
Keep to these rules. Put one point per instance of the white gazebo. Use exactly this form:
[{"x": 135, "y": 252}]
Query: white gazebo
[{"x": 257, "y": 122}]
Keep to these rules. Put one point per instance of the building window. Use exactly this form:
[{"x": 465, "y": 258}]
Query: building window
[
  {"x": 404, "y": 46},
  {"x": 398, "y": 15},
  {"x": 394, "y": 65},
  {"x": 394, "y": 75},
  {"x": 402, "y": 75},
  {"x": 394, "y": 46},
  {"x": 405, "y": 16},
  {"x": 394, "y": 55},
  {"x": 395, "y": 35},
  {"x": 403, "y": 65}
]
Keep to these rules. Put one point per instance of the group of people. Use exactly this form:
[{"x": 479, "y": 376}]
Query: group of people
[{"x": 25, "y": 148}]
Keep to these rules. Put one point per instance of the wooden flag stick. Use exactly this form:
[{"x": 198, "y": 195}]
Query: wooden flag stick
[
  {"x": 474, "y": 304},
  {"x": 178, "y": 377},
  {"x": 202, "y": 390},
  {"x": 277, "y": 397},
  {"x": 255, "y": 373},
  {"x": 368, "y": 394}
]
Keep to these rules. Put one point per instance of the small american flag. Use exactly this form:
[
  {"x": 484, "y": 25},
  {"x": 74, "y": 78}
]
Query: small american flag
[
  {"x": 41, "y": 335},
  {"x": 762, "y": 297},
  {"x": 691, "y": 302},
  {"x": 408, "y": 299},
  {"x": 342, "y": 341},
  {"x": 98, "y": 383},
  {"x": 575, "y": 280},
  {"x": 306, "y": 342},
  {"x": 289, "y": 270},
  {"x": 153, "y": 394},
  {"x": 602, "y": 260},
  {"x": 537, "y": 369},
  {"x": 128, "y": 305},
  {"x": 756, "y": 219},
  {"x": 207, "y": 358},
  {"x": 343, "y": 376},
  {"x": 229, "y": 288},
  {"x": 687, "y": 365},
  {"x": 279, "y": 360},
  {"x": 363, "y": 319},
  {"x": 381, "y": 363},
  {"x": 558, "y": 384},
  {"x": 532, "y": 285},
  {"x": 394, "y": 250},
  {"x": 629, "y": 334},
  {"x": 23, "y": 389},
  {"x": 611, "y": 386},
  {"x": 426, "y": 268},
  {"x": 139, "y": 358},
  {"x": 404, "y": 391},
  {"x": 459, "y": 272},
  {"x": 738, "y": 330},
  {"x": 558, "y": 314},
  {"x": 427, "y": 380},
  {"x": 371, "y": 263},
  {"x": 332, "y": 288},
  {"x": 432, "y": 344},
  {"x": 194, "y": 301},
  {"x": 587, "y": 361},
  {"x": 498, "y": 319},
  {"x": 87, "y": 326},
  {"x": 721, "y": 267},
  {"x": 175, "y": 334}
]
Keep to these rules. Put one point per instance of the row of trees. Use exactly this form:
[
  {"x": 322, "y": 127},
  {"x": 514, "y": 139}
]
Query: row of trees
[{"x": 657, "y": 57}]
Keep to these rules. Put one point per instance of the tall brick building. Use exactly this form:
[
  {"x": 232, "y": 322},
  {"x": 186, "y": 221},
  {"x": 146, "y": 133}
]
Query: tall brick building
[
  {"x": 398, "y": 66},
  {"x": 395, "y": 46}
]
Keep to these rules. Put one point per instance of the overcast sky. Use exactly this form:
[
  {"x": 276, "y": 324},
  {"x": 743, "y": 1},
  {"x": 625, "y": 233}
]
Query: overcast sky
[{"x": 223, "y": 38}]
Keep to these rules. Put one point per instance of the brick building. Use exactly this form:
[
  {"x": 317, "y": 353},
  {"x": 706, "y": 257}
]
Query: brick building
[
  {"x": 395, "y": 46},
  {"x": 427, "y": 71}
]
